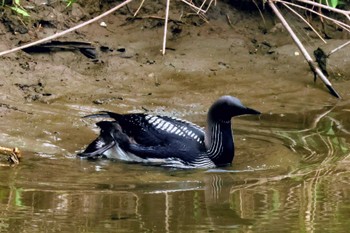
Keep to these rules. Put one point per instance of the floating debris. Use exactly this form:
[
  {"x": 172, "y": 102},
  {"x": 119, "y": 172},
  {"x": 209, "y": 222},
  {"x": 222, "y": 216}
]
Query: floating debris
[{"x": 13, "y": 156}]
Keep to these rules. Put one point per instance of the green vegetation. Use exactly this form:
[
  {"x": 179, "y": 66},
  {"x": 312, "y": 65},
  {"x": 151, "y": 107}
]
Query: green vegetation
[
  {"x": 335, "y": 3},
  {"x": 332, "y": 3},
  {"x": 16, "y": 7},
  {"x": 19, "y": 9},
  {"x": 70, "y": 2}
]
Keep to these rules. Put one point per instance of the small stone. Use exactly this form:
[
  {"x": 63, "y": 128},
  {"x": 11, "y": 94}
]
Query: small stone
[{"x": 103, "y": 24}]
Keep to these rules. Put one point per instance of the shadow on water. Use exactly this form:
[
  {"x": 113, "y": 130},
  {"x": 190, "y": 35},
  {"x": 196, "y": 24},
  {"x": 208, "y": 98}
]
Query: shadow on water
[{"x": 291, "y": 174}]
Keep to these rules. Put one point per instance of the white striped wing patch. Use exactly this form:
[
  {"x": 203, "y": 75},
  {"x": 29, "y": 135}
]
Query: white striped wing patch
[{"x": 167, "y": 126}]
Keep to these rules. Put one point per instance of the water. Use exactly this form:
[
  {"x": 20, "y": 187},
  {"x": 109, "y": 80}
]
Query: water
[{"x": 291, "y": 174}]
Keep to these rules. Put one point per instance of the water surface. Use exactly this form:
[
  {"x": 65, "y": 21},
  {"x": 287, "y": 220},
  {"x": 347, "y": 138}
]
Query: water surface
[{"x": 290, "y": 174}]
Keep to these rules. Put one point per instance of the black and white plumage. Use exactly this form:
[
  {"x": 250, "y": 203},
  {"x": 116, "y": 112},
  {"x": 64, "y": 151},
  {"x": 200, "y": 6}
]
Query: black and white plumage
[{"x": 169, "y": 141}]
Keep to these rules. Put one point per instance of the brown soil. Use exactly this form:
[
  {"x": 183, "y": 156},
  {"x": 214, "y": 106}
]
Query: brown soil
[{"x": 44, "y": 95}]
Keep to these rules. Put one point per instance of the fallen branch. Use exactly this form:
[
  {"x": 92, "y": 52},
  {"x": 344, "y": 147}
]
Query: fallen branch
[
  {"x": 314, "y": 67},
  {"x": 54, "y": 36}
]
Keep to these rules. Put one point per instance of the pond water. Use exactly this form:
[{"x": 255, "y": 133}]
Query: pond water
[{"x": 290, "y": 174}]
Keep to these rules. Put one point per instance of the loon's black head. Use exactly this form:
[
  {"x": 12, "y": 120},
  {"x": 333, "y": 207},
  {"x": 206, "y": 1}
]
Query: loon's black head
[{"x": 227, "y": 107}]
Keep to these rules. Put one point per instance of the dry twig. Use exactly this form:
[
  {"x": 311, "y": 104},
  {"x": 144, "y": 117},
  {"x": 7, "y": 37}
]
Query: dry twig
[
  {"x": 229, "y": 20},
  {"x": 166, "y": 25},
  {"x": 261, "y": 14},
  {"x": 338, "y": 48},
  {"x": 155, "y": 17},
  {"x": 138, "y": 9},
  {"x": 198, "y": 9},
  {"x": 337, "y": 22},
  {"x": 336, "y": 10},
  {"x": 203, "y": 3},
  {"x": 305, "y": 21}
]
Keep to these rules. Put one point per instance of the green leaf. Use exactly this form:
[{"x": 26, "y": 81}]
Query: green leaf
[
  {"x": 331, "y": 3},
  {"x": 70, "y": 2},
  {"x": 20, "y": 11},
  {"x": 18, "y": 197},
  {"x": 334, "y": 3}
]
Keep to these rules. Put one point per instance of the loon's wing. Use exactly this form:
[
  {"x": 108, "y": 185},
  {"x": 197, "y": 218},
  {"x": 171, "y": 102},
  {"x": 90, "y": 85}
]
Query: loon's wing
[{"x": 151, "y": 130}]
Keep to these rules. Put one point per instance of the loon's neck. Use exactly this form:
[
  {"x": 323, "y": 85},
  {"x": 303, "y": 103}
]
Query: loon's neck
[{"x": 219, "y": 142}]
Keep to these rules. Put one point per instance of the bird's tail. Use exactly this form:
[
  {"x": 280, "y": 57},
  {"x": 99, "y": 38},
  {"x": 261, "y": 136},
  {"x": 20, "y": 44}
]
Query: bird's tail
[
  {"x": 110, "y": 136},
  {"x": 103, "y": 142},
  {"x": 96, "y": 149}
]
